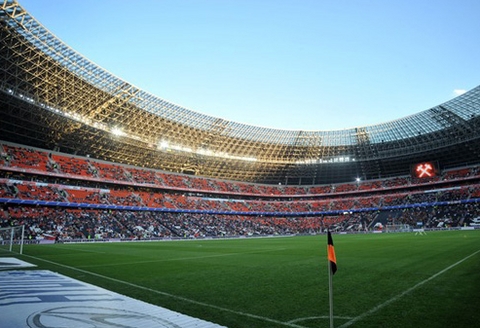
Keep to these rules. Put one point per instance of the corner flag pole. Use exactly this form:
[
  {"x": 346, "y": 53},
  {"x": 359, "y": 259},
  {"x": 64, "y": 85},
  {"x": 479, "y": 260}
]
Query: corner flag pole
[
  {"x": 330, "y": 293},
  {"x": 332, "y": 268}
]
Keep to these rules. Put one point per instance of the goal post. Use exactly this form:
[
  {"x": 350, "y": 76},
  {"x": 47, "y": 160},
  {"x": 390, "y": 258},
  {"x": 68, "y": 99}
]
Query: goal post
[{"x": 12, "y": 239}]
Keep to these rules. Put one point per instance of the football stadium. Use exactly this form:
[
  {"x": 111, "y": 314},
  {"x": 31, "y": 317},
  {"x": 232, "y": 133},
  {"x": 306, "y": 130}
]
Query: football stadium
[{"x": 122, "y": 209}]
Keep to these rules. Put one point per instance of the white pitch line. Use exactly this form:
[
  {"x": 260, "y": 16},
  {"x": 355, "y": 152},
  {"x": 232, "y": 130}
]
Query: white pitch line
[
  {"x": 183, "y": 258},
  {"x": 393, "y": 299},
  {"x": 319, "y": 317},
  {"x": 249, "y": 315}
]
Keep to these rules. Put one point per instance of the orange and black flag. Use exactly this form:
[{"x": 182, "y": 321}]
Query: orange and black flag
[{"x": 331, "y": 253}]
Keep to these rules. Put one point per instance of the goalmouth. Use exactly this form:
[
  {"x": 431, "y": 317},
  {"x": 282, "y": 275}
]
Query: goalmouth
[
  {"x": 12, "y": 239},
  {"x": 398, "y": 228}
]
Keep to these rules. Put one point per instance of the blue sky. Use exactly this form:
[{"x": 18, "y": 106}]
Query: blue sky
[{"x": 296, "y": 65}]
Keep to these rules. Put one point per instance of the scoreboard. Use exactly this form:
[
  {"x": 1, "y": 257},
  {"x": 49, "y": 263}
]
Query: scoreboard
[{"x": 424, "y": 170}]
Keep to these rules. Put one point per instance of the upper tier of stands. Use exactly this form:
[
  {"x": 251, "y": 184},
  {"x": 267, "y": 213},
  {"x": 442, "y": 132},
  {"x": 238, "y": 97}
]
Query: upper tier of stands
[{"x": 24, "y": 159}]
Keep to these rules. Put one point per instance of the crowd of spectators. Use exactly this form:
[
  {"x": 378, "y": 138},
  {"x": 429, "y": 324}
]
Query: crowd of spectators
[
  {"x": 85, "y": 224},
  {"x": 69, "y": 224}
]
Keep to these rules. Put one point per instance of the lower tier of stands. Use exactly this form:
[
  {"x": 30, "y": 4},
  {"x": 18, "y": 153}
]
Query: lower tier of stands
[{"x": 69, "y": 224}]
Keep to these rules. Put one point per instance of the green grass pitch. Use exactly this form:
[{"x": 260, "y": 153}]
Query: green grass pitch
[{"x": 383, "y": 280}]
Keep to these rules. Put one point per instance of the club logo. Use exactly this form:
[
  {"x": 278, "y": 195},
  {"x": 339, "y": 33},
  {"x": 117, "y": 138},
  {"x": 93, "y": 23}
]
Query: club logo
[{"x": 94, "y": 317}]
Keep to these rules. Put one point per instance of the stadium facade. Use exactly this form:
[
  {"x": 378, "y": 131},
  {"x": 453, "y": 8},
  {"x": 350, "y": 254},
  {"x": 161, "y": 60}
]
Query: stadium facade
[{"x": 52, "y": 97}]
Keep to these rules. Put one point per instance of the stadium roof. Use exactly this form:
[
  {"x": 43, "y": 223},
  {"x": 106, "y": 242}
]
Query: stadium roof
[{"x": 55, "y": 98}]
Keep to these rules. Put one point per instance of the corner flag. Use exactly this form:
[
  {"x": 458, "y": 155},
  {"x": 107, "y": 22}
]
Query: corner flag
[
  {"x": 331, "y": 253},
  {"x": 332, "y": 260}
]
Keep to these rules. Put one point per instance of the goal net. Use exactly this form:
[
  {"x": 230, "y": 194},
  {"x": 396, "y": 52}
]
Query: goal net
[
  {"x": 11, "y": 239},
  {"x": 397, "y": 228}
]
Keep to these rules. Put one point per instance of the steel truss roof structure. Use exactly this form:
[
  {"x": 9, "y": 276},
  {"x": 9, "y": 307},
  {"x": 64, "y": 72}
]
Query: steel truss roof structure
[{"x": 52, "y": 97}]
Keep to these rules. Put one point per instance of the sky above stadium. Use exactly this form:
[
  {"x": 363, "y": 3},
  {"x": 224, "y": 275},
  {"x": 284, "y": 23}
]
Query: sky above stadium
[{"x": 295, "y": 65}]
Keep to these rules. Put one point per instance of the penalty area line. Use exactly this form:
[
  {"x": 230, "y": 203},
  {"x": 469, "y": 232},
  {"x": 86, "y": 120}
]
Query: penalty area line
[
  {"x": 249, "y": 315},
  {"x": 395, "y": 298}
]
